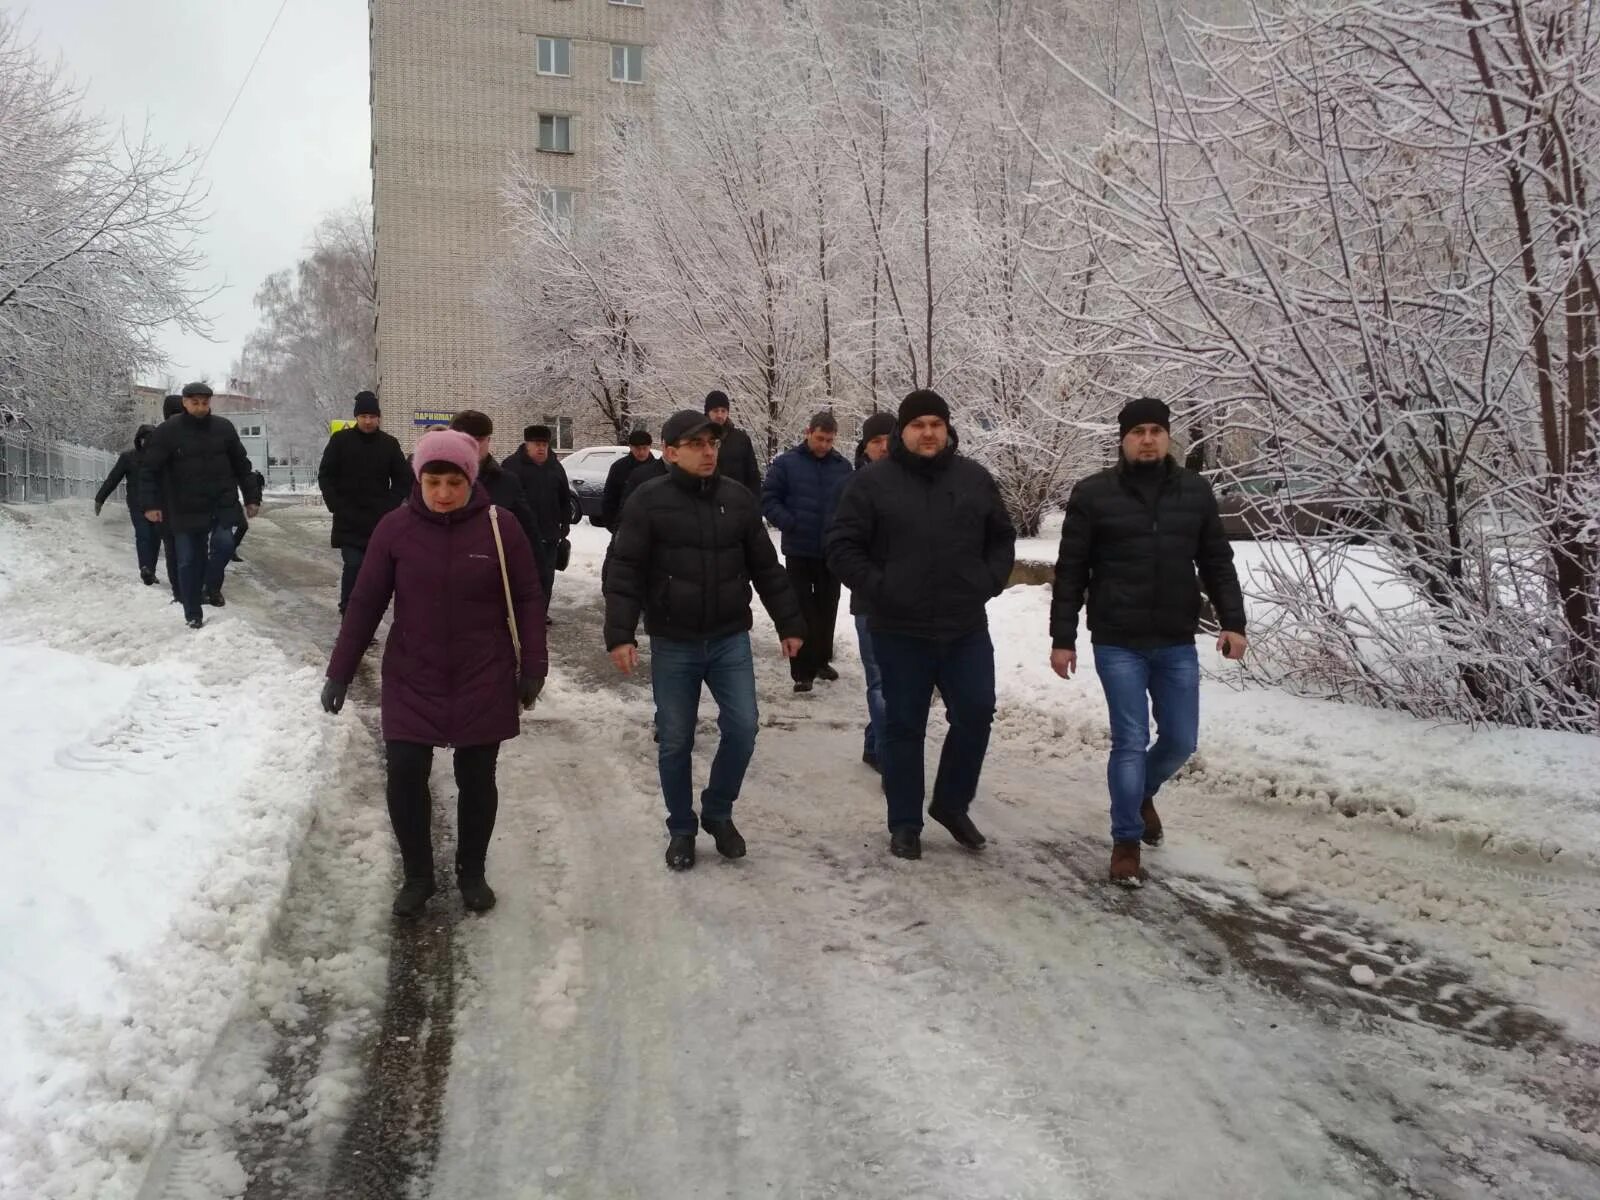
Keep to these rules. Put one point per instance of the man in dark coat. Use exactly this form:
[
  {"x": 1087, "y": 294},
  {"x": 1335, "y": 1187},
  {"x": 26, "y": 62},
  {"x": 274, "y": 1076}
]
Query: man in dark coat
[
  {"x": 736, "y": 458},
  {"x": 503, "y": 487},
  {"x": 689, "y": 548},
  {"x": 924, "y": 540},
  {"x": 876, "y": 433},
  {"x": 1134, "y": 539},
  {"x": 363, "y": 475},
  {"x": 544, "y": 482},
  {"x": 146, "y": 539},
  {"x": 194, "y": 469},
  {"x": 801, "y": 490},
  {"x": 637, "y": 461}
]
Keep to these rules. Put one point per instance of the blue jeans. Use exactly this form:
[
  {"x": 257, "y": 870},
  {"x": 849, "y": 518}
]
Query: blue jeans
[
  {"x": 1167, "y": 678},
  {"x": 869, "y": 666},
  {"x": 353, "y": 557},
  {"x": 677, "y": 669},
  {"x": 963, "y": 671},
  {"x": 199, "y": 567},
  {"x": 146, "y": 541}
]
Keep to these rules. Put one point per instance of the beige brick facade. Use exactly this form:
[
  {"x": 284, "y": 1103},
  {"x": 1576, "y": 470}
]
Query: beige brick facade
[{"x": 456, "y": 94}]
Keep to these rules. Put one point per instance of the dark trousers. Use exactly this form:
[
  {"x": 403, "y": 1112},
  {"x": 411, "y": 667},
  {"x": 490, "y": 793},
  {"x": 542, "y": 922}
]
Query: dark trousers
[
  {"x": 818, "y": 589},
  {"x": 547, "y": 567},
  {"x": 411, "y": 807},
  {"x": 239, "y": 530},
  {"x": 146, "y": 542},
  {"x": 169, "y": 547},
  {"x": 202, "y": 561},
  {"x": 353, "y": 557},
  {"x": 963, "y": 671}
]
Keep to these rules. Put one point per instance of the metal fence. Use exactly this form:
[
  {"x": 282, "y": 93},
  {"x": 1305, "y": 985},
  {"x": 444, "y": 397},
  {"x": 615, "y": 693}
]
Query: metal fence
[{"x": 34, "y": 469}]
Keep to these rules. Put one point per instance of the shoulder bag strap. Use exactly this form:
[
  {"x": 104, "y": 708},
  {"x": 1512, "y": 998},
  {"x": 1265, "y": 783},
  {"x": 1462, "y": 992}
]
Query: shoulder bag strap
[{"x": 505, "y": 579}]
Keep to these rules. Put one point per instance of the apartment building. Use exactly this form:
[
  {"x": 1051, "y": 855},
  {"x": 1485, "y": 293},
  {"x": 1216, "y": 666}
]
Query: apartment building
[{"x": 459, "y": 89}]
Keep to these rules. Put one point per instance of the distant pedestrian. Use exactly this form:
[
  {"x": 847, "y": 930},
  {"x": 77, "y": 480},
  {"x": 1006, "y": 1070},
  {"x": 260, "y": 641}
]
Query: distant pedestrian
[
  {"x": 194, "y": 469},
  {"x": 736, "y": 457},
  {"x": 800, "y": 493},
  {"x": 467, "y": 646},
  {"x": 146, "y": 535},
  {"x": 638, "y": 461},
  {"x": 689, "y": 548},
  {"x": 876, "y": 433},
  {"x": 504, "y": 487},
  {"x": 363, "y": 476},
  {"x": 924, "y": 540},
  {"x": 1134, "y": 538},
  {"x": 544, "y": 482}
]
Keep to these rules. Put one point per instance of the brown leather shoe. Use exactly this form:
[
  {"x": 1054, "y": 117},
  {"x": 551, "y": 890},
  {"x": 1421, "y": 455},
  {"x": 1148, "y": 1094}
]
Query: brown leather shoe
[
  {"x": 1125, "y": 869},
  {"x": 1152, "y": 823}
]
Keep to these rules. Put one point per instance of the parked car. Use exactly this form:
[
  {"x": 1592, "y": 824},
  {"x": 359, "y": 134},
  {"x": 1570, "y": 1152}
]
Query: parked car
[
  {"x": 1281, "y": 507},
  {"x": 586, "y": 472}
]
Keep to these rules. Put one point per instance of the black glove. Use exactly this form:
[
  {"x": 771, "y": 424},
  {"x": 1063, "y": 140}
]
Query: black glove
[
  {"x": 98, "y": 504},
  {"x": 528, "y": 689},
  {"x": 333, "y": 695}
]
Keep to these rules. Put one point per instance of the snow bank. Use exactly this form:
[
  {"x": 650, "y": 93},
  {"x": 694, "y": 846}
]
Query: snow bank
[{"x": 154, "y": 785}]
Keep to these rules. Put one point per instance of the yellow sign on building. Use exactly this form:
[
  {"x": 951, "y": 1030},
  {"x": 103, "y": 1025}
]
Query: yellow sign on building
[{"x": 335, "y": 426}]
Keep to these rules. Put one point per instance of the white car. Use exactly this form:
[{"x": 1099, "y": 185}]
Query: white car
[{"x": 586, "y": 472}]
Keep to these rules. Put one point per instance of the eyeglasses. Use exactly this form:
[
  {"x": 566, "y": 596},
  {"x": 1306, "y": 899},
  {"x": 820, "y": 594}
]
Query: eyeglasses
[{"x": 699, "y": 443}]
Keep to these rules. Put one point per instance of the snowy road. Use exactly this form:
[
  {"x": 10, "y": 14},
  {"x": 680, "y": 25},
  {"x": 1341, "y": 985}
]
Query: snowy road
[{"x": 819, "y": 1020}]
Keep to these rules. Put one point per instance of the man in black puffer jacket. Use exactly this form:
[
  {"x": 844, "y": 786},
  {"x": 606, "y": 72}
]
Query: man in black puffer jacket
[
  {"x": 1132, "y": 541},
  {"x": 923, "y": 541},
  {"x": 363, "y": 475},
  {"x": 194, "y": 469},
  {"x": 689, "y": 548},
  {"x": 146, "y": 538}
]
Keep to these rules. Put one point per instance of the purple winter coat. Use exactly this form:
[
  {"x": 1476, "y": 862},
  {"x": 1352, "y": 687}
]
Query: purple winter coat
[{"x": 448, "y": 678}]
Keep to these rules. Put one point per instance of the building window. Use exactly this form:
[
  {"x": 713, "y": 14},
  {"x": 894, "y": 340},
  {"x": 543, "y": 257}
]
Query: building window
[
  {"x": 555, "y": 56},
  {"x": 627, "y": 64},
  {"x": 560, "y": 431},
  {"x": 556, "y": 205},
  {"x": 555, "y": 133}
]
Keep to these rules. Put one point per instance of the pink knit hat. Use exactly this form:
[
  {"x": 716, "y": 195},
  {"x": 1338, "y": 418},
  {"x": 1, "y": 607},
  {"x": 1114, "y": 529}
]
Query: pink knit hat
[{"x": 446, "y": 445}]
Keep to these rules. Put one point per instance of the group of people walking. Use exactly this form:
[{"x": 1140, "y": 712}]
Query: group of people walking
[{"x": 466, "y": 548}]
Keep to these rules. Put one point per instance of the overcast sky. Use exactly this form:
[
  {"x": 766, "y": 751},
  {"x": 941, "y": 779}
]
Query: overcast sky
[{"x": 297, "y": 146}]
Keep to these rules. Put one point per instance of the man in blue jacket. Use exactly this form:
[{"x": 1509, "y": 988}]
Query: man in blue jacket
[{"x": 799, "y": 495}]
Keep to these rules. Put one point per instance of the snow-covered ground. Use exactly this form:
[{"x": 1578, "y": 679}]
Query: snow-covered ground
[{"x": 155, "y": 785}]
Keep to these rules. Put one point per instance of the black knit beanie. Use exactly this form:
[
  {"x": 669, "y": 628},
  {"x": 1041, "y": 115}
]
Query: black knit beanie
[
  {"x": 1146, "y": 410},
  {"x": 717, "y": 400},
  {"x": 924, "y": 402},
  {"x": 367, "y": 404},
  {"x": 878, "y": 424}
]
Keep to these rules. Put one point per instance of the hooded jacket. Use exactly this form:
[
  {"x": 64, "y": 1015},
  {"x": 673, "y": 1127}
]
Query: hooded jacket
[
  {"x": 1134, "y": 553},
  {"x": 799, "y": 496},
  {"x": 922, "y": 544},
  {"x": 449, "y": 672},
  {"x": 686, "y": 556},
  {"x": 127, "y": 467},
  {"x": 193, "y": 470},
  {"x": 362, "y": 477}
]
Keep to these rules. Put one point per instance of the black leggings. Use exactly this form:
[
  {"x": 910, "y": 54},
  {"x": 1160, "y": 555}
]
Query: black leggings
[{"x": 410, "y": 807}]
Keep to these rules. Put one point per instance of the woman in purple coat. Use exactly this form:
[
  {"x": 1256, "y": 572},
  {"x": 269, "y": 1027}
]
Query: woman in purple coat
[{"x": 450, "y": 674}]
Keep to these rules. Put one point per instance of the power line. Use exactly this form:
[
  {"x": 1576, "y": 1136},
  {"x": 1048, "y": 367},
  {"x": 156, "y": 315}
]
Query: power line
[{"x": 243, "y": 83}]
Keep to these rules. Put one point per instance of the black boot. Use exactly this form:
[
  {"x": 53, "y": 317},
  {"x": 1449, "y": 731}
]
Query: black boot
[
  {"x": 412, "y": 898},
  {"x": 196, "y": 622},
  {"x": 148, "y": 576},
  {"x": 680, "y": 851},
  {"x": 729, "y": 842},
  {"x": 476, "y": 894},
  {"x": 214, "y": 598},
  {"x": 960, "y": 826},
  {"x": 827, "y": 674},
  {"x": 802, "y": 685},
  {"x": 905, "y": 842}
]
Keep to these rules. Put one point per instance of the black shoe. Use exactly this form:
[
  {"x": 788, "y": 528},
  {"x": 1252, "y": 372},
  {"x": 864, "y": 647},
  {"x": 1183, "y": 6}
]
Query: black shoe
[
  {"x": 730, "y": 844},
  {"x": 235, "y": 558},
  {"x": 148, "y": 577},
  {"x": 827, "y": 674},
  {"x": 680, "y": 851},
  {"x": 196, "y": 622},
  {"x": 905, "y": 842},
  {"x": 871, "y": 759},
  {"x": 1153, "y": 834},
  {"x": 549, "y": 621},
  {"x": 412, "y": 898},
  {"x": 802, "y": 685},
  {"x": 960, "y": 826},
  {"x": 215, "y": 599},
  {"x": 476, "y": 894}
]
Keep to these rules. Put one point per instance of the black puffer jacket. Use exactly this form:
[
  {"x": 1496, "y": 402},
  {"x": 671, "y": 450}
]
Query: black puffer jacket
[
  {"x": 620, "y": 479},
  {"x": 548, "y": 492},
  {"x": 736, "y": 459},
  {"x": 1136, "y": 555},
  {"x": 924, "y": 544},
  {"x": 194, "y": 469},
  {"x": 686, "y": 555},
  {"x": 127, "y": 467},
  {"x": 362, "y": 477}
]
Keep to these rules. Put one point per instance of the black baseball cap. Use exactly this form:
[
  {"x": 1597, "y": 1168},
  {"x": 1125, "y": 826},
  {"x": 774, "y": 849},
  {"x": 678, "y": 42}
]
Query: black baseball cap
[{"x": 686, "y": 424}]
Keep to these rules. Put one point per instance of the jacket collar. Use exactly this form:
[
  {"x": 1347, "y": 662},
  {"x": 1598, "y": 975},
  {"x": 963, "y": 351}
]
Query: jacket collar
[
  {"x": 693, "y": 484},
  {"x": 805, "y": 451},
  {"x": 928, "y": 468}
]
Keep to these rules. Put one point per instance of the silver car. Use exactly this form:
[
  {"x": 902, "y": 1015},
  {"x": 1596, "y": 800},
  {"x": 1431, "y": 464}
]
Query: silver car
[{"x": 586, "y": 472}]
